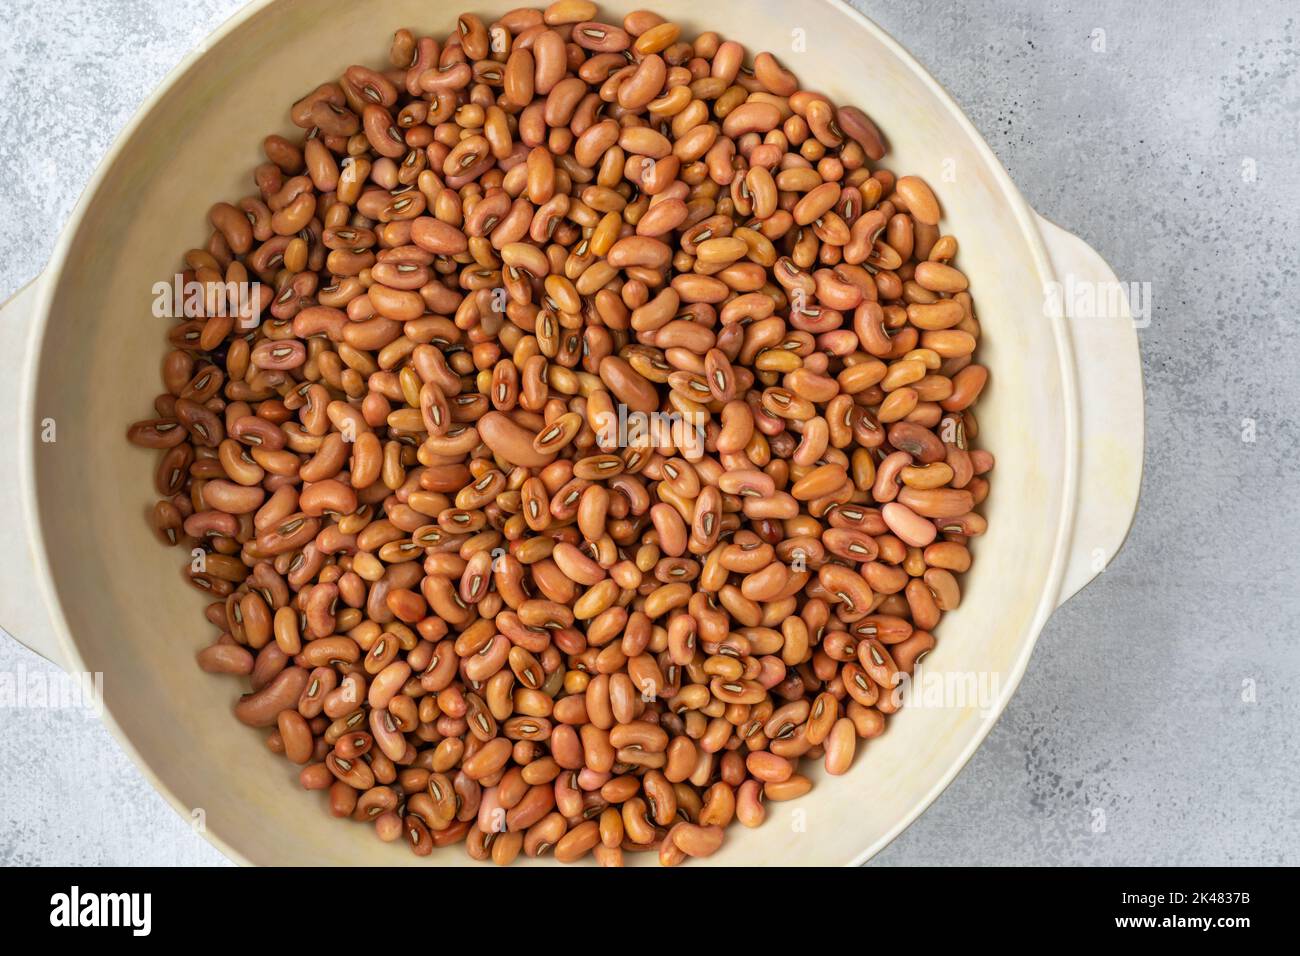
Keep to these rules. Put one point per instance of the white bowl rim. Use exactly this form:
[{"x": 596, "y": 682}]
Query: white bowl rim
[{"x": 1016, "y": 204}]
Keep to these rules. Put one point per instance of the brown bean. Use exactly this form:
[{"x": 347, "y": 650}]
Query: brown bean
[
  {"x": 697, "y": 840},
  {"x": 512, "y": 442},
  {"x": 225, "y": 659},
  {"x": 840, "y": 746},
  {"x": 261, "y": 708},
  {"x": 602, "y": 442},
  {"x": 919, "y": 199}
]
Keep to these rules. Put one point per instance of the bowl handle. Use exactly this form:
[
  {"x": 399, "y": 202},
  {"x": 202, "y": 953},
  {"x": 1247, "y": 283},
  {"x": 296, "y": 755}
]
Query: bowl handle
[
  {"x": 1103, "y": 331},
  {"x": 22, "y": 608}
]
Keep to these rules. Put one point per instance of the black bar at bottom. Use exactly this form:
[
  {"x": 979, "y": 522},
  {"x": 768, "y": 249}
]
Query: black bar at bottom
[{"x": 213, "y": 905}]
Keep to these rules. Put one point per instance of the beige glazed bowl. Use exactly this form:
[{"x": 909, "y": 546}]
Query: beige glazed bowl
[{"x": 90, "y": 588}]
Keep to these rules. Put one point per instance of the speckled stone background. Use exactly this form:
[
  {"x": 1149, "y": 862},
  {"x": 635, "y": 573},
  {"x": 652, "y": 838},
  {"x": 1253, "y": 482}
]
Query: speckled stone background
[{"x": 1158, "y": 721}]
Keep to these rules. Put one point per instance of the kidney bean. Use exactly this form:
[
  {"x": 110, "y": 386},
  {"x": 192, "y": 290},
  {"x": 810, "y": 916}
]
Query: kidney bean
[
  {"x": 225, "y": 659},
  {"x": 918, "y": 200},
  {"x": 261, "y": 708},
  {"x": 611, "y": 462},
  {"x": 296, "y": 734}
]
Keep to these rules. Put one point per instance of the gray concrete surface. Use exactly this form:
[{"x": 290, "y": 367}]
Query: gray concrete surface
[{"x": 1158, "y": 721}]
